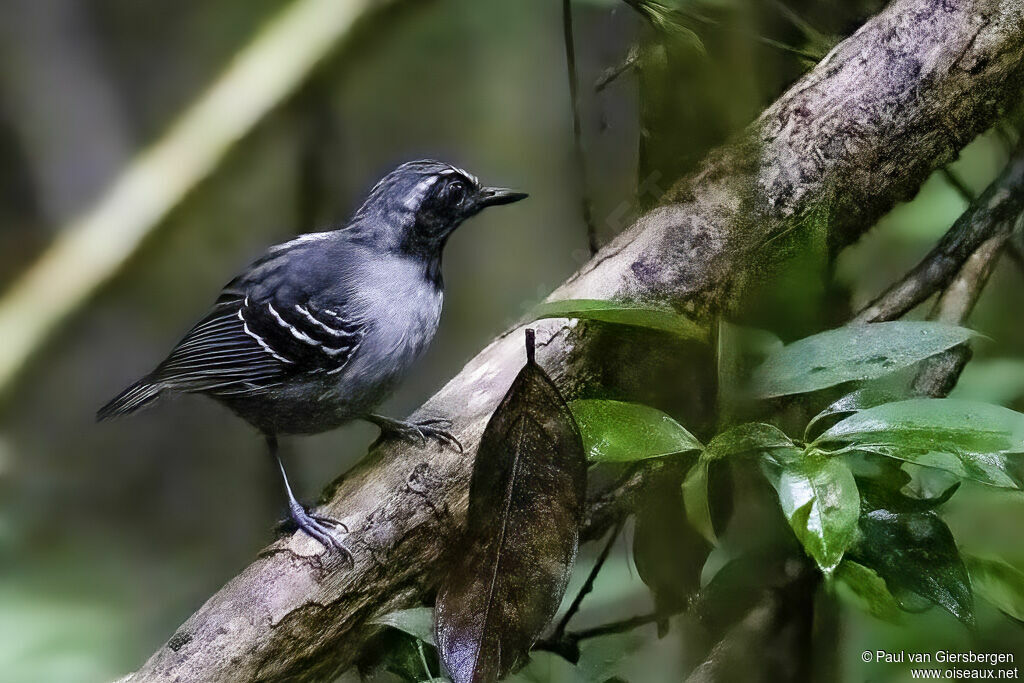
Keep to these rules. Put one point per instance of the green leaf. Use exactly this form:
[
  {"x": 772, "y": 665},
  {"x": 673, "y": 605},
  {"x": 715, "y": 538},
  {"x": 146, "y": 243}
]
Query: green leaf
[
  {"x": 620, "y": 313},
  {"x": 869, "y": 591},
  {"x": 668, "y": 20},
  {"x": 998, "y": 582},
  {"x": 861, "y": 399},
  {"x": 418, "y": 622},
  {"x": 819, "y": 497},
  {"x": 668, "y": 552},
  {"x": 977, "y": 441},
  {"x": 854, "y": 352},
  {"x": 747, "y": 439},
  {"x": 617, "y": 431},
  {"x": 914, "y": 552},
  {"x": 695, "y": 500}
]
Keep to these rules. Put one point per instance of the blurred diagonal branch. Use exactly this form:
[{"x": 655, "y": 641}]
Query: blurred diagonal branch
[
  {"x": 95, "y": 246},
  {"x": 850, "y": 139}
]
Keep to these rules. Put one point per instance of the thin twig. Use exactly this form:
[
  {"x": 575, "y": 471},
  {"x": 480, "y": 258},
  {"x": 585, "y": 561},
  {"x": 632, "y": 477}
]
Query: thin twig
[
  {"x": 568, "y": 645},
  {"x": 611, "y": 74},
  {"x": 794, "y": 18},
  {"x": 958, "y": 184},
  {"x": 608, "y": 507},
  {"x": 993, "y": 213},
  {"x": 588, "y": 585},
  {"x": 638, "y": 6},
  {"x": 577, "y": 128},
  {"x": 939, "y": 375},
  {"x": 621, "y": 626}
]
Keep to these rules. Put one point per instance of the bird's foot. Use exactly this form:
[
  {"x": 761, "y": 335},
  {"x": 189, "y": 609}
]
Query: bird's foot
[
  {"x": 321, "y": 528},
  {"x": 418, "y": 432}
]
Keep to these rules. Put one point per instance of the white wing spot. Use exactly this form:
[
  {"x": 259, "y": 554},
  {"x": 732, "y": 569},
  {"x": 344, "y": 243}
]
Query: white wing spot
[
  {"x": 326, "y": 328},
  {"x": 259, "y": 340},
  {"x": 291, "y": 328},
  {"x": 302, "y": 336}
]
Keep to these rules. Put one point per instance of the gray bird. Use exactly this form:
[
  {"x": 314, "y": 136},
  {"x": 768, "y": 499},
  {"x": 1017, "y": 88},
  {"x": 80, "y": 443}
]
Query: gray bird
[{"x": 319, "y": 330}]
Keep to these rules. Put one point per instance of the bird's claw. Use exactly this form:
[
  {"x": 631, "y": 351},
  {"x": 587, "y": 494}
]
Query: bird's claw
[
  {"x": 432, "y": 428},
  {"x": 437, "y": 428},
  {"x": 321, "y": 529}
]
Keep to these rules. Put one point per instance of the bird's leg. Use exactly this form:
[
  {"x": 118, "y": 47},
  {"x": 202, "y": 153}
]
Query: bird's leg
[
  {"x": 434, "y": 428},
  {"x": 319, "y": 527}
]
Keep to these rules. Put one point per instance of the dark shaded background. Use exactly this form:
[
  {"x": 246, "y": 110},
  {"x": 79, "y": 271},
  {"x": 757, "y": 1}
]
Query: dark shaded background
[{"x": 112, "y": 534}]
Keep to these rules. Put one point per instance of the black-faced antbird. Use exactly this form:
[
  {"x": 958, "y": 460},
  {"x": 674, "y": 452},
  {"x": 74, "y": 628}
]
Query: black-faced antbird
[{"x": 320, "y": 329}]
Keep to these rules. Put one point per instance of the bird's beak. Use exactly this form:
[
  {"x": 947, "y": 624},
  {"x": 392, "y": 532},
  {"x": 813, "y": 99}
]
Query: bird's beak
[{"x": 494, "y": 196}]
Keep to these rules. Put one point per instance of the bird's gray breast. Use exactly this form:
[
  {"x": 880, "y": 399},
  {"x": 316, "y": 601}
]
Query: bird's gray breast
[{"x": 400, "y": 309}]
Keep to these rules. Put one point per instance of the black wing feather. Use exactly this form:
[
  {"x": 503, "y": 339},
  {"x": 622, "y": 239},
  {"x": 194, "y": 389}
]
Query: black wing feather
[{"x": 246, "y": 346}]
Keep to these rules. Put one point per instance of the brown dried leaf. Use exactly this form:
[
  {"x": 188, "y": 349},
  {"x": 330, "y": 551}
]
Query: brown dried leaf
[{"x": 525, "y": 507}]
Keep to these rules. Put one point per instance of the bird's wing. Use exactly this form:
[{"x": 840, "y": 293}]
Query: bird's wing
[{"x": 251, "y": 345}]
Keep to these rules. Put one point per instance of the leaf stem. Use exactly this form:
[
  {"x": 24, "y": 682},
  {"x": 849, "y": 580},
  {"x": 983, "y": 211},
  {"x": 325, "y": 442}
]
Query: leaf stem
[{"x": 531, "y": 344}]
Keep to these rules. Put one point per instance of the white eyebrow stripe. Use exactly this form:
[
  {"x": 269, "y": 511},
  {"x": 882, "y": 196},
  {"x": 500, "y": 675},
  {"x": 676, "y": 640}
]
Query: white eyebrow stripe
[
  {"x": 412, "y": 202},
  {"x": 455, "y": 170},
  {"x": 259, "y": 340}
]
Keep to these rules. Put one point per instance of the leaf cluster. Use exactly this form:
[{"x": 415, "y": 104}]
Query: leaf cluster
[{"x": 849, "y": 488}]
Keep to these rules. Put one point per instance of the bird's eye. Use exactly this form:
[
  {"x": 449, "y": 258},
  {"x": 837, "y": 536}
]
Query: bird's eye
[{"x": 456, "y": 192}]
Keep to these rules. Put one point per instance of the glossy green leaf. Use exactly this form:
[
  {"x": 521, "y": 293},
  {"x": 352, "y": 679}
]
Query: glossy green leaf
[
  {"x": 915, "y": 553},
  {"x": 854, "y": 352},
  {"x": 746, "y": 439},
  {"x": 819, "y": 497},
  {"x": 972, "y": 440},
  {"x": 617, "y": 431},
  {"x": 861, "y": 399},
  {"x": 418, "y": 622},
  {"x": 998, "y": 582},
  {"x": 695, "y": 501},
  {"x": 620, "y": 313},
  {"x": 868, "y": 590}
]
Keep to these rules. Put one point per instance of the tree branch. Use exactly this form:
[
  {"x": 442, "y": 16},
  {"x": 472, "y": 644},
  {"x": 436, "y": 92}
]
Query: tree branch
[
  {"x": 991, "y": 216},
  {"x": 858, "y": 133}
]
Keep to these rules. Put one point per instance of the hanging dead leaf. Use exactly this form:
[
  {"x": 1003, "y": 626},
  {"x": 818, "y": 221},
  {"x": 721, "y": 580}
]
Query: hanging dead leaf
[{"x": 525, "y": 507}]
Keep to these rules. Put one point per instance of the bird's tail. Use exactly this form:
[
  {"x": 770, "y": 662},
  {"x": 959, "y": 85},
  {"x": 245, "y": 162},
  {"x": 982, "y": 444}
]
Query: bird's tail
[{"x": 137, "y": 396}]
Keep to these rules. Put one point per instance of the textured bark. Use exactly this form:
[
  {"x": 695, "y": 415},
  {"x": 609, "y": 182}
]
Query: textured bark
[{"x": 860, "y": 132}]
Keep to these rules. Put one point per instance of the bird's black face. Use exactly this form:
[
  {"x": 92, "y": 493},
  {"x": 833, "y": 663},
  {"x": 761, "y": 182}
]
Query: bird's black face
[
  {"x": 451, "y": 199},
  {"x": 428, "y": 200}
]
